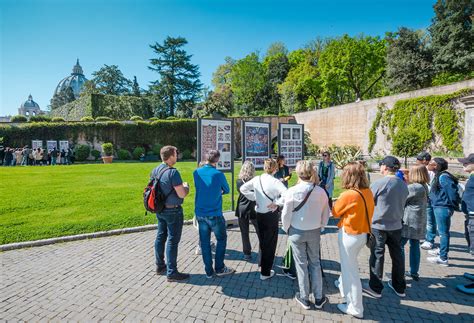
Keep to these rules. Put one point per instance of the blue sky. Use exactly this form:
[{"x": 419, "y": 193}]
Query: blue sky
[{"x": 41, "y": 39}]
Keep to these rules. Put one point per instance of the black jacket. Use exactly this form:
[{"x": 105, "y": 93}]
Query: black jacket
[{"x": 245, "y": 208}]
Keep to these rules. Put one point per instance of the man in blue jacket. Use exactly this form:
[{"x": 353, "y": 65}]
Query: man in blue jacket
[
  {"x": 211, "y": 184},
  {"x": 468, "y": 209}
]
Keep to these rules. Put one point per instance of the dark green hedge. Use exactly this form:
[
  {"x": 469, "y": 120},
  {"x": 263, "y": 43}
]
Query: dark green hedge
[{"x": 128, "y": 135}]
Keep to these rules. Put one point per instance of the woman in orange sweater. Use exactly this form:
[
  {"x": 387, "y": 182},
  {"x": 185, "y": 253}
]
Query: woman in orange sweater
[{"x": 355, "y": 207}]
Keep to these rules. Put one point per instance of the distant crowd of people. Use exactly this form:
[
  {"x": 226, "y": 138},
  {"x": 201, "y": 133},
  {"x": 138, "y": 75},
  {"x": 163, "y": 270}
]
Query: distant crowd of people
[
  {"x": 27, "y": 156},
  {"x": 391, "y": 212}
]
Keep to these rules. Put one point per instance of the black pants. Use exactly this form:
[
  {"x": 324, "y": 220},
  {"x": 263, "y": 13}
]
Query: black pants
[
  {"x": 268, "y": 238},
  {"x": 392, "y": 240},
  {"x": 244, "y": 224}
]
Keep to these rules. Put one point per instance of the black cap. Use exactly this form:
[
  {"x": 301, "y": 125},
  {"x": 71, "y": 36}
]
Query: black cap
[
  {"x": 424, "y": 156},
  {"x": 391, "y": 162},
  {"x": 468, "y": 160}
]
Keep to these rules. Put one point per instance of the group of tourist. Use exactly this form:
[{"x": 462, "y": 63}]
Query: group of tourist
[
  {"x": 35, "y": 157},
  {"x": 386, "y": 213}
]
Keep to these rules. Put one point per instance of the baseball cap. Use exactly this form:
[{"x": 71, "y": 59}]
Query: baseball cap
[
  {"x": 391, "y": 162},
  {"x": 424, "y": 156},
  {"x": 467, "y": 160}
]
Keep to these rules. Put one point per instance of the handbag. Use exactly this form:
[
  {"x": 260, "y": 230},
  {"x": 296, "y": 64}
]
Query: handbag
[{"x": 370, "y": 243}]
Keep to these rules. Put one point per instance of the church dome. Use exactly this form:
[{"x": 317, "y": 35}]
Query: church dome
[
  {"x": 28, "y": 104},
  {"x": 76, "y": 81}
]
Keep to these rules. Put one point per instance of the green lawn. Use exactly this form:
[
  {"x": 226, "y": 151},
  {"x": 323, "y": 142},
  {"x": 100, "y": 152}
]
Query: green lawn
[{"x": 44, "y": 202}]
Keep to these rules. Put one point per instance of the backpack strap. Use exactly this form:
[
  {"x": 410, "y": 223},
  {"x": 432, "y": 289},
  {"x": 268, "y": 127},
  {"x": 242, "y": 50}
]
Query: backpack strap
[
  {"x": 158, "y": 178},
  {"x": 263, "y": 191},
  {"x": 296, "y": 209},
  {"x": 366, "y": 210}
]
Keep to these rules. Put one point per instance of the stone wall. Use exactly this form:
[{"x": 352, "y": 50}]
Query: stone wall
[{"x": 349, "y": 124}]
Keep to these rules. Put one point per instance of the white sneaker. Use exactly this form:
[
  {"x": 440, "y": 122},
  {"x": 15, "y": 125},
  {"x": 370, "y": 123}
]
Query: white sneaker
[
  {"x": 434, "y": 252},
  {"x": 272, "y": 273},
  {"x": 427, "y": 245},
  {"x": 438, "y": 261}
]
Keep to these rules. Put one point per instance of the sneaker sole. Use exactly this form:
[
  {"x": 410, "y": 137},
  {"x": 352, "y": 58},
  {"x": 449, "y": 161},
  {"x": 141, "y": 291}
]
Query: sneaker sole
[
  {"x": 396, "y": 293},
  {"x": 320, "y": 306},
  {"x": 371, "y": 294},
  {"x": 302, "y": 305}
]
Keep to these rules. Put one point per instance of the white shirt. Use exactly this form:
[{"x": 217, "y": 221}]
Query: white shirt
[
  {"x": 313, "y": 215},
  {"x": 254, "y": 192}
]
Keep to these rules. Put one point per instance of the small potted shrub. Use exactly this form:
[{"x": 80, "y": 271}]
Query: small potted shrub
[{"x": 108, "y": 151}]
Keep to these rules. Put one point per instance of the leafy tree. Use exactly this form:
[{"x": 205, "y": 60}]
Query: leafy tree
[
  {"x": 352, "y": 68},
  {"x": 409, "y": 63},
  {"x": 276, "y": 48},
  {"x": 407, "y": 143},
  {"x": 276, "y": 69},
  {"x": 452, "y": 36},
  {"x": 247, "y": 81},
  {"x": 89, "y": 88},
  {"x": 219, "y": 101},
  {"x": 110, "y": 80},
  {"x": 136, "y": 91},
  {"x": 221, "y": 76},
  {"x": 179, "y": 85},
  {"x": 63, "y": 97},
  {"x": 302, "y": 89}
]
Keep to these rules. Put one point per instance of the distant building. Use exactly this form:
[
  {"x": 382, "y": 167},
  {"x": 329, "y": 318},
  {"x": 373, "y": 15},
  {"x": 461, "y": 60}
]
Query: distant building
[
  {"x": 75, "y": 81},
  {"x": 30, "y": 108},
  {"x": 5, "y": 119}
]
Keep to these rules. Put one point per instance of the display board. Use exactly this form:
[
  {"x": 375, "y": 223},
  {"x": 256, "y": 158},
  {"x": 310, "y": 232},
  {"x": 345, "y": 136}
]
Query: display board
[
  {"x": 51, "y": 144},
  {"x": 35, "y": 144},
  {"x": 63, "y": 144},
  {"x": 216, "y": 134},
  {"x": 291, "y": 142},
  {"x": 256, "y": 142}
]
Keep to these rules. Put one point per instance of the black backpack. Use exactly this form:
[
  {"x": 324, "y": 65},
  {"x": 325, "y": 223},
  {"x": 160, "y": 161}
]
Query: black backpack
[{"x": 154, "y": 199}]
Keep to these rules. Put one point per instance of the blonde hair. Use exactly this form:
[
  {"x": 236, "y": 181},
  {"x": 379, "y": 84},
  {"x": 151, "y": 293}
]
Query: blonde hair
[
  {"x": 269, "y": 166},
  {"x": 305, "y": 170},
  {"x": 354, "y": 176},
  {"x": 247, "y": 172},
  {"x": 315, "y": 177},
  {"x": 418, "y": 174}
]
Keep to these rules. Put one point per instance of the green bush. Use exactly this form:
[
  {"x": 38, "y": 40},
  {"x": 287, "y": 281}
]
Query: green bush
[
  {"x": 103, "y": 119},
  {"x": 150, "y": 153},
  {"x": 95, "y": 153},
  {"x": 58, "y": 119},
  {"x": 154, "y": 119},
  {"x": 156, "y": 149},
  {"x": 137, "y": 152},
  {"x": 87, "y": 119},
  {"x": 407, "y": 143},
  {"x": 136, "y": 118},
  {"x": 82, "y": 152},
  {"x": 123, "y": 154},
  {"x": 19, "y": 118},
  {"x": 186, "y": 154},
  {"x": 108, "y": 149},
  {"x": 40, "y": 119},
  {"x": 171, "y": 118}
]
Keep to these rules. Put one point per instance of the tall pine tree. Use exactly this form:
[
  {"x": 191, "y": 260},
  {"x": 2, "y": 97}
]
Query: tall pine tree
[
  {"x": 179, "y": 85},
  {"x": 135, "y": 87}
]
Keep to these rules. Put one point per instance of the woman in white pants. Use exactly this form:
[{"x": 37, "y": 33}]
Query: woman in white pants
[
  {"x": 355, "y": 207},
  {"x": 305, "y": 213}
]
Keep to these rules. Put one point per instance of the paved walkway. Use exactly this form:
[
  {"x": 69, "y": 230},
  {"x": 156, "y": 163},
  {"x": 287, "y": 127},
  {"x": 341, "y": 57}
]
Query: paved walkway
[{"x": 113, "y": 279}]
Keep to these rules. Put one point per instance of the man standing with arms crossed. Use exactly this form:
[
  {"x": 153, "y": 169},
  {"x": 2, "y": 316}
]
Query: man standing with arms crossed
[
  {"x": 390, "y": 195},
  {"x": 170, "y": 220},
  {"x": 210, "y": 185}
]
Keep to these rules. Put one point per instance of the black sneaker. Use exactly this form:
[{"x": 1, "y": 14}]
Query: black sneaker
[
  {"x": 160, "y": 270},
  {"x": 414, "y": 277},
  {"x": 289, "y": 275},
  {"x": 371, "y": 292},
  {"x": 303, "y": 302},
  {"x": 226, "y": 271},
  {"x": 178, "y": 277},
  {"x": 319, "y": 303}
]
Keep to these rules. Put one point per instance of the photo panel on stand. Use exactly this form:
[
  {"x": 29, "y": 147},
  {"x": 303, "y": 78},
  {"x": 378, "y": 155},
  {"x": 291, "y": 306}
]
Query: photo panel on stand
[
  {"x": 214, "y": 134},
  {"x": 290, "y": 142},
  {"x": 256, "y": 142}
]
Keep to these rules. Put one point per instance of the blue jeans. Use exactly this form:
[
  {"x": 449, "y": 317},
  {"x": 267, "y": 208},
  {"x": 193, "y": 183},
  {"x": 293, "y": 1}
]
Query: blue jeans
[
  {"x": 414, "y": 255},
  {"x": 443, "y": 221},
  {"x": 216, "y": 224},
  {"x": 430, "y": 225},
  {"x": 170, "y": 227}
]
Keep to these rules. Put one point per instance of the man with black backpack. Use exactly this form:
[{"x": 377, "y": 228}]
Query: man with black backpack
[{"x": 170, "y": 214}]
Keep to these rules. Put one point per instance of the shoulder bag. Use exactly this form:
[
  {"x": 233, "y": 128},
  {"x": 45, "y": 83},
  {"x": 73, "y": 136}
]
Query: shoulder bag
[{"x": 370, "y": 243}]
